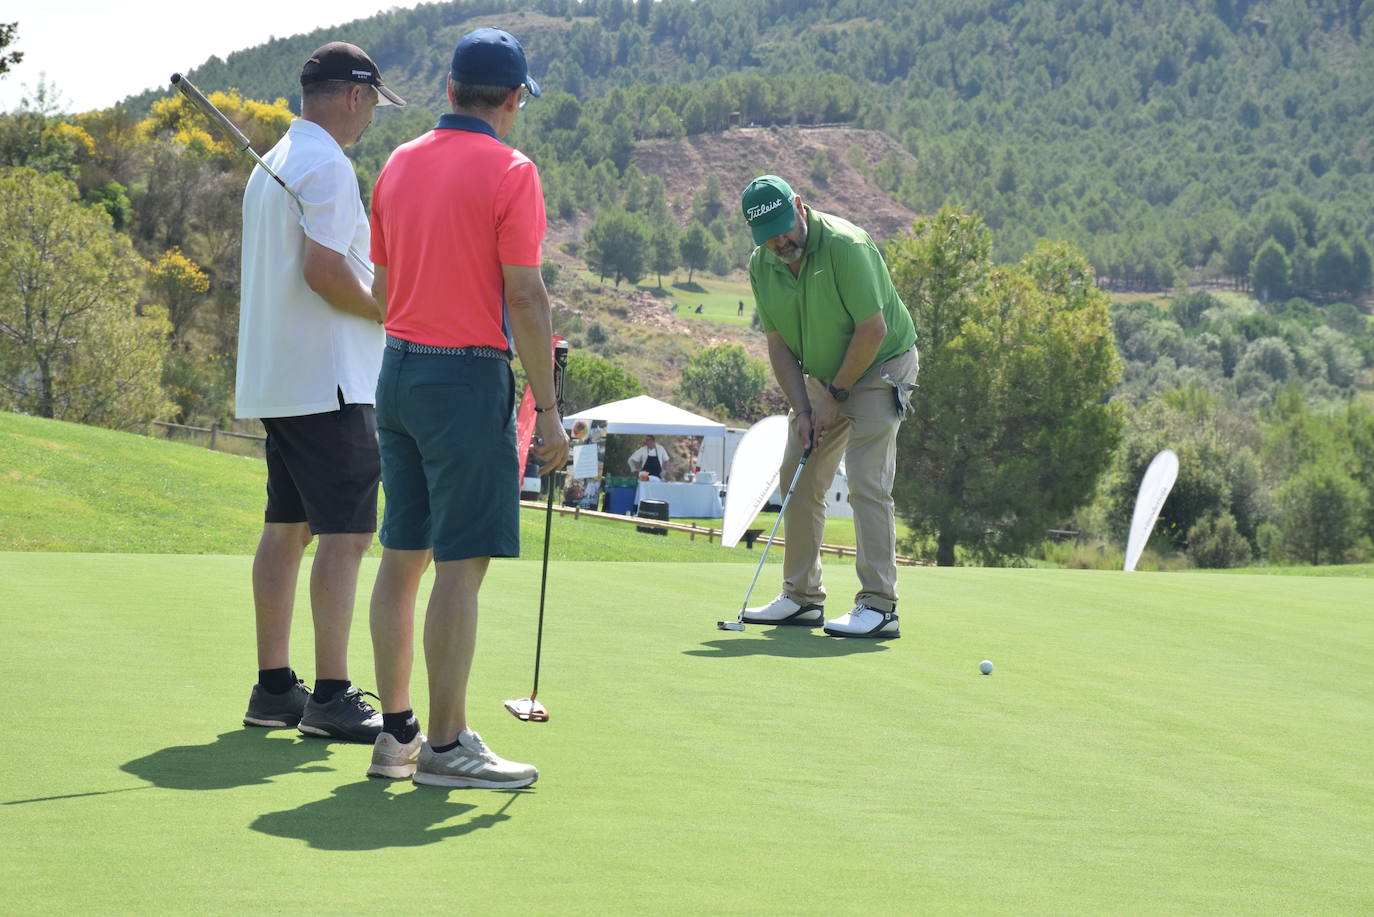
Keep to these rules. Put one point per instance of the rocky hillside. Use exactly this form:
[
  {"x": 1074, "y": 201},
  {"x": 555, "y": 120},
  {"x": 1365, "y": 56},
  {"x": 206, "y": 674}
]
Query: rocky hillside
[{"x": 740, "y": 154}]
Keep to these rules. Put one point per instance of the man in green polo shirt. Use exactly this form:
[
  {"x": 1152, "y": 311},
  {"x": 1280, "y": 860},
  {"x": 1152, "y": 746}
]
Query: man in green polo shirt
[{"x": 843, "y": 349}]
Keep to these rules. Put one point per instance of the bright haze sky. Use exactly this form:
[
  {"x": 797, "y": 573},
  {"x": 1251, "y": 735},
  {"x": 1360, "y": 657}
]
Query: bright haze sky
[{"x": 97, "y": 52}]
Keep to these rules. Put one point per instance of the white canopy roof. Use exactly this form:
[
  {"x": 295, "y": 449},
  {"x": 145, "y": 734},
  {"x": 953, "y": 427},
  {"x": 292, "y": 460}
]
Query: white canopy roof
[{"x": 643, "y": 414}]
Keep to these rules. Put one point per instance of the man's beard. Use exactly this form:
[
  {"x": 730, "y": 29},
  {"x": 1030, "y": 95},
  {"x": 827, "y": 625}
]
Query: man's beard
[{"x": 791, "y": 252}]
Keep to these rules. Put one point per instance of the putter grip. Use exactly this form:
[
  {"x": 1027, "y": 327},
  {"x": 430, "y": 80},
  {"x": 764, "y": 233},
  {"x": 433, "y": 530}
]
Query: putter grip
[
  {"x": 232, "y": 133},
  {"x": 560, "y": 366}
]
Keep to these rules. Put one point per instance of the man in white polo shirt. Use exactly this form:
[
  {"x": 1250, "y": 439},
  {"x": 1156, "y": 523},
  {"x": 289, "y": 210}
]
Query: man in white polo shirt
[{"x": 310, "y": 347}]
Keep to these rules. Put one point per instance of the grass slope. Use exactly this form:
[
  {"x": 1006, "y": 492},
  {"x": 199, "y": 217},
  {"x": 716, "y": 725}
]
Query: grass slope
[
  {"x": 66, "y": 487},
  {"x": 1177, "y": 743}
]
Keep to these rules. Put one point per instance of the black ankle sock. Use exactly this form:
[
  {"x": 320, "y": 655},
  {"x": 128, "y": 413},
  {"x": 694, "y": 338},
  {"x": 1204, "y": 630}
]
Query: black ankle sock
[
  {"x": 326, "y": 689},
  {"x": 276, "y": 681},
  {"x": 440, "y": 749},
  {"x": 402, "y": 725}
]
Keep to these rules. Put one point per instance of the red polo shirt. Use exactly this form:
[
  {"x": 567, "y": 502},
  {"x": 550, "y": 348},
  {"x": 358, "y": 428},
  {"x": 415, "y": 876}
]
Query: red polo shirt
[{"x": 450, "y": 208}]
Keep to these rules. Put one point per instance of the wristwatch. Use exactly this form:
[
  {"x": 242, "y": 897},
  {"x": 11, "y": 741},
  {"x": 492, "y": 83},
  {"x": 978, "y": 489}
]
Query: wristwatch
[{"x": 839, "y": 394}]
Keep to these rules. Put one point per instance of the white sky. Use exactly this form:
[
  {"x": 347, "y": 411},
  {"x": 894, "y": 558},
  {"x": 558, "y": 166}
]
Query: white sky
[{"x": 96, "y": 52}]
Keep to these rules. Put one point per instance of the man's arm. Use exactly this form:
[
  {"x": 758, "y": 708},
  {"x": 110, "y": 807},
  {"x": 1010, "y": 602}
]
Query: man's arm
[
  {"x": 527, "y": 305},
  {"x": 863, "y": 347},
  {"x": 792, "y": 381},
  {"x": 328, "y": 274},
  {"x": 379, "y": 288},
  {"x": 858, "y": 357}
]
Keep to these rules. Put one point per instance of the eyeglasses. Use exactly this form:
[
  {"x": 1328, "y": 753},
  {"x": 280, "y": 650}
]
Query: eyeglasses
[{"x": 525, "y": 95}]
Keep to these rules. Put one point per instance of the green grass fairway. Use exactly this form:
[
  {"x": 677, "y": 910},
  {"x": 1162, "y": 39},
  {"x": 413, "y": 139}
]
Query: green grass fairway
[
  {"x": 719, "y": 299},
  {"x": 1148, "y": 744}
]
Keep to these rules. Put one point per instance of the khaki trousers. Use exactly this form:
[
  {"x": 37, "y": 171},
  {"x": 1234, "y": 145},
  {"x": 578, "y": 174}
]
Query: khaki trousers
[{"x": 865, "y": 434}]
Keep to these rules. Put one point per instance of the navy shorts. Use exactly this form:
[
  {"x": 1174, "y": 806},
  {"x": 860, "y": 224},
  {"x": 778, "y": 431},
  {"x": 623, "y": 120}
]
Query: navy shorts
[
  {"x": 323, "y": 469},
  {"x": 449, "y": 465}
]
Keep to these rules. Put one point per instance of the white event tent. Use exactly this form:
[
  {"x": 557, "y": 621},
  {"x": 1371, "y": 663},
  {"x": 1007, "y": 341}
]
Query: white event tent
[{"x": 645, "y": 415}]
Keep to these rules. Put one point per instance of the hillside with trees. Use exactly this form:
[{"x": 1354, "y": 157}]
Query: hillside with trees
[{"x": 1205, "y": 165}]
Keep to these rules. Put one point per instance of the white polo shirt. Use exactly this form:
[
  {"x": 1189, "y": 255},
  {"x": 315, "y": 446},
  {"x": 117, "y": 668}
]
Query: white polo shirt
[{"x": 295, "y": 350}]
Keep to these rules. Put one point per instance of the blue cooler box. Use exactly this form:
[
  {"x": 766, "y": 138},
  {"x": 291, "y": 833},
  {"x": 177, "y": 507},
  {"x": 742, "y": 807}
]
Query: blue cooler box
[{"x": 620, "y": 500}]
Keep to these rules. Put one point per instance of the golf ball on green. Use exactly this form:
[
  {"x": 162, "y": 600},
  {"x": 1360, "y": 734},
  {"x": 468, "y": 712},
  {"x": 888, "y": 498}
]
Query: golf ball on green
[{"x": 985, "y": 667}]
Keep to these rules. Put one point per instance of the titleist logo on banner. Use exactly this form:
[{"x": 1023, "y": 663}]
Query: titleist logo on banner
[{"x": 758, "y": 210}]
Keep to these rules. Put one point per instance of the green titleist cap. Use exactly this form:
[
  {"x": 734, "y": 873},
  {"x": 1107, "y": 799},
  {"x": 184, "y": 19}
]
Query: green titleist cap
[{"x": 767, "y": 205}]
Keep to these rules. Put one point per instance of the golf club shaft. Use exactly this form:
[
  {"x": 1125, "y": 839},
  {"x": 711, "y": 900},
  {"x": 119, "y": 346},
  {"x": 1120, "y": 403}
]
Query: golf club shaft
[
  {"x": 560, "y": 364},
  {"x": 240, "y": 143},
  {"x": 781, "y": 509},
  {"x": 543, "y": 580}
]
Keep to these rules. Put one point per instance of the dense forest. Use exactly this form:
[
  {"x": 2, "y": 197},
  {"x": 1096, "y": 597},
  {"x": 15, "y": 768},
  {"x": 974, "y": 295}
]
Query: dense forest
[
  {"x": 1211, "y": 160},
  {"x": 1168, "y": 139}
]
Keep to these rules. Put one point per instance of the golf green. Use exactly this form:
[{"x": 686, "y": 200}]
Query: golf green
[{"x": 1148, "y": 744}]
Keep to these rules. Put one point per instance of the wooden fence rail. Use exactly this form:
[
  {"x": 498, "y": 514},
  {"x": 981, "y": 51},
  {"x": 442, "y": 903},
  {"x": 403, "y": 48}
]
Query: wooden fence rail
[{"x": 214, "y": 431}]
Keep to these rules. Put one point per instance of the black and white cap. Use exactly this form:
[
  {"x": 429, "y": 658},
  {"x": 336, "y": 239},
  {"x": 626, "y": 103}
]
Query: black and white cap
[{"x": 339, "y": 60}]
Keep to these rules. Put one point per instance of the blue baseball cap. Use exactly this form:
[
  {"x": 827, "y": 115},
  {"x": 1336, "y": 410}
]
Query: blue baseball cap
[{"x": 491, "y": 57}]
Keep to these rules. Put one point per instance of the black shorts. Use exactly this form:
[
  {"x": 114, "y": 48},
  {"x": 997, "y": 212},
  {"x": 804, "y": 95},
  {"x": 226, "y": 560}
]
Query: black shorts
[{"x": 324, "y": 469}]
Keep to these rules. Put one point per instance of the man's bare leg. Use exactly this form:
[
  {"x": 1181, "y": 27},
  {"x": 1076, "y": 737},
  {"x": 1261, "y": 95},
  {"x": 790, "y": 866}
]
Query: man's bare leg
[
  {"x": 393, "y": 624},
  {"x": 333, "y": 591},
  {"x": 450, "y": 641},
  {"x": 276, "y": 566}
]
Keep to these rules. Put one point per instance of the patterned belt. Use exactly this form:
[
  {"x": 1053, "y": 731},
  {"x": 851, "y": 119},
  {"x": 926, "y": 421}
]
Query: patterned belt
[{"x": 480, "y": 350}]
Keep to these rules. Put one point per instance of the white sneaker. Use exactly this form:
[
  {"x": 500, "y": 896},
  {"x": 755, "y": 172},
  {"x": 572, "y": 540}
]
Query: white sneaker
[
  {"x": 783, "y": 610},
  {"x": 862, "y": 621},
  {"x": 471, "y": 763},
  {"x": 392, "y": 759}
]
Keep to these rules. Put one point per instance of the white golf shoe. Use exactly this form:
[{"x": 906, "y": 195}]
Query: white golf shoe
[
  {"x": 862, "y": 621},
  {"x": 783, "y": 610}
]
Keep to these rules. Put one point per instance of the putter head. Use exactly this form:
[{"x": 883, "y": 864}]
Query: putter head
[
  {"x": 730, "y": 625},
  {"x": 528, "y": 710}
]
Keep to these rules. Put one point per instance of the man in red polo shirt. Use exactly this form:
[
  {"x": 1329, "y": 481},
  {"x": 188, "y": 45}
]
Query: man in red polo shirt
[{"x": 457, "y": 228}]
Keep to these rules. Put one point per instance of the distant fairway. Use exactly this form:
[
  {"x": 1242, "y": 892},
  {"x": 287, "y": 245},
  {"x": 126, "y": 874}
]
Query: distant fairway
[
  {"x": 1149, "y": 744},
  {"x": 719, "y": 299}
]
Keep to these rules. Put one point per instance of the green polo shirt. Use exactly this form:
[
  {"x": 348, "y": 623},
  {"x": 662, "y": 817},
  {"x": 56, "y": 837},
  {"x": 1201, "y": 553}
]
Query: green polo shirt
[{"x": 843, "y": 280}]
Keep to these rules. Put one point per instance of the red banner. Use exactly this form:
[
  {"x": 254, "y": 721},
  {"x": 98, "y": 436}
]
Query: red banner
[
  {"x": 524, "y": 432},
  {"x": 524, "y": 423}
]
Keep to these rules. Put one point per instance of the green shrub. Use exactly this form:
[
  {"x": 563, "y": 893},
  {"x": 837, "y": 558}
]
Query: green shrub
[{"x": 1214, "y": 542}]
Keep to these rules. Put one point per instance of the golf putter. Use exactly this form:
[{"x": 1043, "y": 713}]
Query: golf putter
[
  {"x": 738, "y": 623},
  {"x": 528, "y": 709}
]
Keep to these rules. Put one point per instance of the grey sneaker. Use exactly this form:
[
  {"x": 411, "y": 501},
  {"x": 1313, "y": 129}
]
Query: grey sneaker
[
  {"x": 276, "y": 710},
  {"x": 392, "y": 759},
  {"x": 346, "y": 717},
  {"x": 471, "y": 763}
]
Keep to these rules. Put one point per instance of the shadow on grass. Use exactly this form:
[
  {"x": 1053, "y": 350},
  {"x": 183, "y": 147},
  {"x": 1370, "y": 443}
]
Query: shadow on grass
[
  {"x": 795, "y": 642},
  {"x": 243, "y": 757},
  {"x": 692, "y": 287},
  {"x": 22, "y": 802},
  {"x": 367, "y": 816}
]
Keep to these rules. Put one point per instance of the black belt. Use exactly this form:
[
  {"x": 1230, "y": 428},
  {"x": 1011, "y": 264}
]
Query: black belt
[{"x": 480, "y": 350}]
